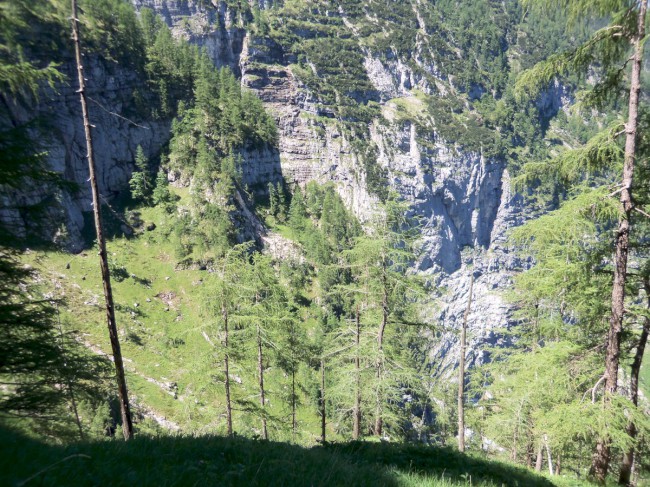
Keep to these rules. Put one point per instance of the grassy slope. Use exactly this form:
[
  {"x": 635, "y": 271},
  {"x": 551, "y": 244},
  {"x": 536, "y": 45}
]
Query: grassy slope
[
  {"x": 161, "y": 329},
  {"x": 212, "y": 460},
  {"x": 645, "y": 374},
  {"x": 165, "y": 343}
]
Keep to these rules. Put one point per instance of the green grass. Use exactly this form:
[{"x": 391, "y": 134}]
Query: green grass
[
  {"x": 645, "y": 374},
  {"x": 161, "y": 325},
  {"x": 213, "y": 460}
]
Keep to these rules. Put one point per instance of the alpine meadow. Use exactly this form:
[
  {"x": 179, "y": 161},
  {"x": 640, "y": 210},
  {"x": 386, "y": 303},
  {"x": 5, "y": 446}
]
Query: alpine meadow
[{"x": 324, "y": 243}]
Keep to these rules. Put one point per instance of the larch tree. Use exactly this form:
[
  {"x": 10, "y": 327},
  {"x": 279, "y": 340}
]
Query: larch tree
[
  {"x": 625, "y": 473},
  {"x": 223, "y": 294},
  {"x": 613, "y": 48},
  {"x": 263, "y": 310},
  {"x": 379, "y": 263},
  {"x": 461, "y": 370}
]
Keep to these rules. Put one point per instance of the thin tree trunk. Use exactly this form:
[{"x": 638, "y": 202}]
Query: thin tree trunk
[
  {"x": 379, "y": 422},
  {"x": 628, "y": 457},
  {"x": 558, "y": 465},
  {"x": 323, "y": 416},
  {"x": 540, "y": 458},
  {"x": 123, "y": 395},
  {"x": 601, "y": 457},
  {"x": 73, "y": 400},
  {"x": 293, "y": 403},
  {"x": 548, "y": 456},
  {"x": 260, "y": 371},
  {"x": 461, "y": 373},
  {"x": 356, "y": 429},
  {"x": 226, "y": 370},
  {"x": 530, "y": 450},
  {"x": 75, "y": 409}
]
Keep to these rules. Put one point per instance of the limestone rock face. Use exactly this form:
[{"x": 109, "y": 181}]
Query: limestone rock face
[
  {"x": 213, "y": 29},
  {"x": 463, "y": 198},
  {"x": 115, "y": 140}
]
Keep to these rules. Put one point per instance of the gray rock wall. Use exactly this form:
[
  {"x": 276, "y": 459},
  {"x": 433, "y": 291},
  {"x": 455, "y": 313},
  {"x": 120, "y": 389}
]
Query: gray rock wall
[
  {"x": 464, "y": 200},
  {"x": 115, "y": 142}
]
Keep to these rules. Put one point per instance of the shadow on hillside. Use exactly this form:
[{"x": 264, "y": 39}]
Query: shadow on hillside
[{"x": 211, "y": 460}]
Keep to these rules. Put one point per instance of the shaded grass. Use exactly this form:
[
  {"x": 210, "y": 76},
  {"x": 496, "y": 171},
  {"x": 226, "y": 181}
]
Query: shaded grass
[
  {"x": 645, "y": 374},
  {"x": 213, "y": 460},
  {"x": 161, "y": 327}
]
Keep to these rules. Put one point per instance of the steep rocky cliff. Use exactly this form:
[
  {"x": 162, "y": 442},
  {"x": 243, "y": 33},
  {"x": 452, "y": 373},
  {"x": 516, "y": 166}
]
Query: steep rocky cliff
[
  {"x": 365, "y": 116},
  {"x": 462, "y": 196},
  {"x": 116, "y": 138}
]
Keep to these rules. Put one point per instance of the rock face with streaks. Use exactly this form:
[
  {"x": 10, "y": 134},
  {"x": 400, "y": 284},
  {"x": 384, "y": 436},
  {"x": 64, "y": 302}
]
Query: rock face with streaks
[
  {"x": 115, "y": 140},
  {"x": 462, "y": 197}
]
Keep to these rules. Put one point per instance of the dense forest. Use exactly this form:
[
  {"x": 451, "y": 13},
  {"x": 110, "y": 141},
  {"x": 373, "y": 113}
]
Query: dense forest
[{"x": 339, "y": 242}]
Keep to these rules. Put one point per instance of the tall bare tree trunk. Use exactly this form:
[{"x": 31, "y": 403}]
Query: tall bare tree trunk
[
  {"x": 461, "y": 372},
  {"x": 68, "y": 382},
  {"x": 226, "y": 371},
  {"x": 628, "y": 457},
  {"x": 540, "y": 458},
  {"x": 294, "y": 424},
  {"x": 356, "y": 428},
  {"x": 601, "y": 457},
  {"x": 123, "y": 396},
  {"x": 260, "y": 371},
  {"x": 323, "y": 414},
  {"x": 548, "y": 456},
  {"x": 379, "y": 421},
  {"x": 530, "y": 450}
]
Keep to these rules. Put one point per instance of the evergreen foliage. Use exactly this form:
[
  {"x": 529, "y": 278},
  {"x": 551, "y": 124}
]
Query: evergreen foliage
[
  {"x": 141, "y": 185},
  {"x": 346, "y": 304}
]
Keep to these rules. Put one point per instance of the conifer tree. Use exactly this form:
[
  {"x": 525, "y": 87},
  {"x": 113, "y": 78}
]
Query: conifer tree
[
  {"x": 625, "y": 473},
  {"x": 613, "y": 46},
  {"x": 461, "y": 370},
  {"x": 264, "y": 311},
  {"x": 141, "y": 186},
  {"x": 161, "y": 194},
  {"x": 273, "y": 199},
  {"x": 297, "y": 211},
  {"x": 281, "y": 213},
  {"x": 350, "y": 350},
  {"x": 379, "y": 262},
  {"x": 222, "y": 296}
]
